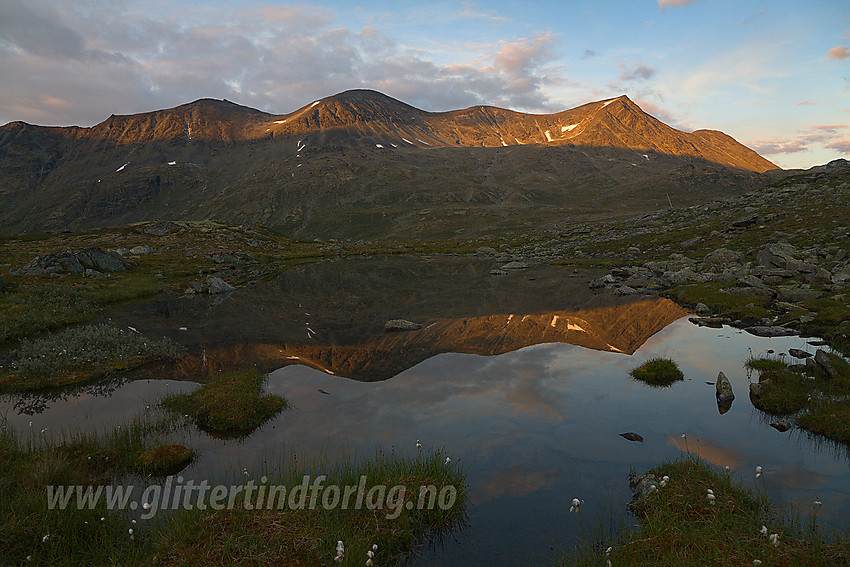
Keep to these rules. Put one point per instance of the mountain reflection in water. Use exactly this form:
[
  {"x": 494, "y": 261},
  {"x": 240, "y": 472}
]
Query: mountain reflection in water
[{"x": 622, "y": 328}]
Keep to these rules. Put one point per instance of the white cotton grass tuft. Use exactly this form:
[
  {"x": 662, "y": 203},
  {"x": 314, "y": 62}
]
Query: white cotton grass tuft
[
  {"x": 774, "y": 539},
  {"x": 759, "y": 470},
  {"x": 576, "y": 504}
]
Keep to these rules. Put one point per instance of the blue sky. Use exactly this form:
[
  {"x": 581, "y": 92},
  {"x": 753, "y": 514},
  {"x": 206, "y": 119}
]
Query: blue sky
[{"x": 773, "y": 74}]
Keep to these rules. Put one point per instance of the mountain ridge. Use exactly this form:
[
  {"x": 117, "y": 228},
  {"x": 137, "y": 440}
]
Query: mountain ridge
[
  {"x": 370, "y": 114},
  {"x": 360, "y": 164}
]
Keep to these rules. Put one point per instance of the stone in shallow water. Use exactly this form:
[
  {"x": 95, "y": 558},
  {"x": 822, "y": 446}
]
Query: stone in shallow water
[
  {"x": 771, "y": 331},
  {"x": 632, "y": 436},
  {"x": 723, "y": 389},
  {"x": 782, "y": 425},
  {"x": 797, "y": 353}
]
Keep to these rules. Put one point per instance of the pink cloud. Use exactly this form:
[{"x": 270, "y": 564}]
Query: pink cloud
[
  {"x": 664, "y": 4},
  {"x": 838, "y": 53},
  {"x": 830, "y": 136}
]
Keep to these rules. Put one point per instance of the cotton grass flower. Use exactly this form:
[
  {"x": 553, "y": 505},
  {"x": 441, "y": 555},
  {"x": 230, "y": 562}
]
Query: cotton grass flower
[
  {"x": 448, "y": 460},
  {"x": 763, "y": 530},
  {"x": 576, "y": 505},
  {"x": 774, "y": 539},
  {"x": 756, "y": 562},
  {"x": 759, "y": 470},
  {"x": 340, "y": 552}
]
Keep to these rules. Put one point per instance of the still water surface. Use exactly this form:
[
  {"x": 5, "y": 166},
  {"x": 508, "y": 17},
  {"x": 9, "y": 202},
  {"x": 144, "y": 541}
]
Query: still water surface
[{"x": 534, "y": 419}]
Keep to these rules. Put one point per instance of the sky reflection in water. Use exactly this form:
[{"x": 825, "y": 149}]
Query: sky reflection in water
[{"x": 534, "y": 428}]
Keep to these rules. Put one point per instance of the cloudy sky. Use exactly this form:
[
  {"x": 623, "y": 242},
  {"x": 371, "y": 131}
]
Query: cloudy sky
[{"x": 775, "y": 74}]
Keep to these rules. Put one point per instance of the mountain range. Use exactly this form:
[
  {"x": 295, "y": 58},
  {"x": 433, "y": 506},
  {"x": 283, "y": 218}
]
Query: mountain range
[{"x": 362, "y": 164}]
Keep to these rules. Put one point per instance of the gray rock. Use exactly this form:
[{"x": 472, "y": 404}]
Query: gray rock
[
  {"x": 75, "y": 261},
  {"x": 795, "y": 293},
  {"x": 755, "y": 392},
  {"x": 771, "y": 331},
  {"x": 755, "y": 282},
  {"x": 605, "y": 280},
  {"x": 712, "y": 322},
  {"x": 723, "y": 389},
  {"x": 224, "y": 258},
  {"x": 197, "y": 287},
  {"x": 515, "y": 265},
  {"x": 693, "y": 242},
  {"x": 642, "y": 487},
  {"x": 161, "y": 228},
  {"x": 141, "y": 250},
  {"x": 745, "y": 221},
  {"x": 724, "y": 256},
  {"x": 823, "y": 361},
  {"x": 486, "y": 251},
  {"x": 398, "y": 325},
  {"x": 498, "y": 272},
  {"x": 626, "y": 290},
  {"x": 702, "y": 310},
  {"x": 778, "y": 255},
  {"x": 89, "y": 273},
  {"x": 218, "y": 285},
  {"x": 797, "y": 353}
]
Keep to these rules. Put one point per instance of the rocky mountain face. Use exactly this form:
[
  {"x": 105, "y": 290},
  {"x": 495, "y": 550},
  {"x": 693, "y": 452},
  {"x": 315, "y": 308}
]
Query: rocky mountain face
[{"x": 361, "y": 164}]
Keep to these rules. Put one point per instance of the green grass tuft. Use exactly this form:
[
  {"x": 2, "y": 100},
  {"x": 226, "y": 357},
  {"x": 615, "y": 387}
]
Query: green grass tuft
[
  {"x": 658, "y": 372},
  {"x": 231, "y": 404}
]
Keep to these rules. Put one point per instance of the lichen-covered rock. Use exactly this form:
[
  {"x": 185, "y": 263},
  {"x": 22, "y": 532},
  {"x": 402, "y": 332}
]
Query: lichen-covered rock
[
  {"x": 398, "y": 325},
  {"x": 75, "y": 261},
  {"x": 218, "y": 285}
]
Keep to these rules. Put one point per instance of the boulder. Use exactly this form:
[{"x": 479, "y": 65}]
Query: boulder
[
  {"x": 692, "y": 243},
  {"x": 778, "y": 255},
  {"x": 398, "y": 325},
  {"x": 486, "y": 251},
  {"x": 723, "y": 389},
  {"x": 218, "y": 285},
  {"x": 755, "y": 392},
  {"x": 745, "y": 221},
  {"x": 797, "y": 353},
  {"x": 141, "y": 250},
  {"x": 89, "y": 273},
  {"x": 702, "y": 310},
  {"x": 642, "y": 487},
  {"x": 753, "y": 281},
  {"x": 626, "y": 290},
  {"x": 781, "y": 426},
  {"x": 515, "y": 265},
  {"x": 605, "y": 280},
  {"x": 771, "y": 331},
  {"x": 161, "y": 228},
  {"x": 795, "y": 293},
  {"x": 75, "y": 261},
  {"x": 723, "y": 256},
  {"x": 823, "y": 361}
]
